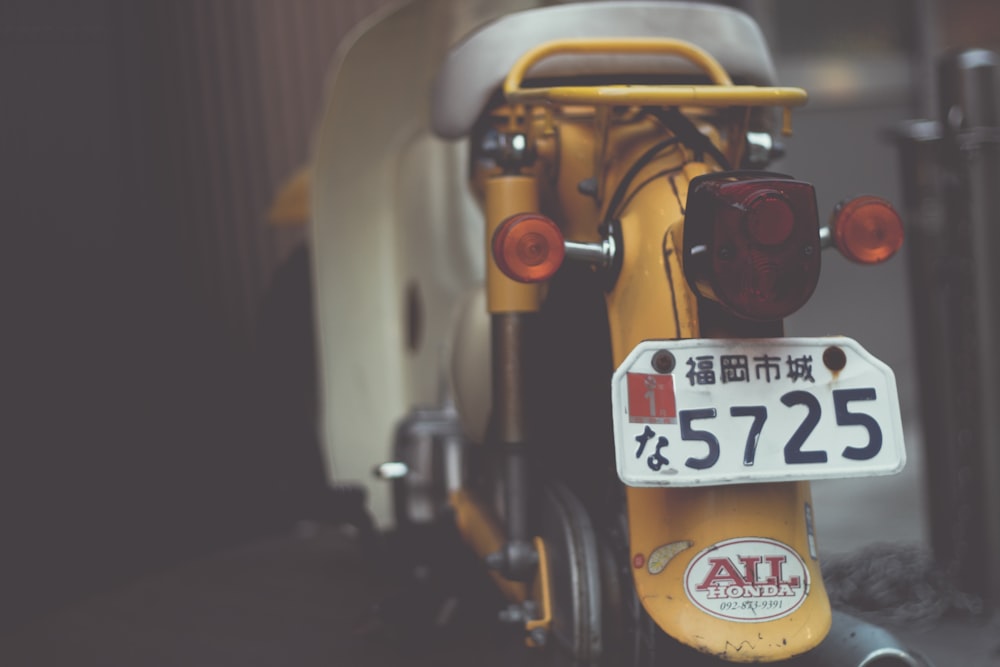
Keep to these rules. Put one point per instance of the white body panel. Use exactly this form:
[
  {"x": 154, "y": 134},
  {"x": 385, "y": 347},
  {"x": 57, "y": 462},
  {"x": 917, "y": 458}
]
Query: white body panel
[{"x": 391, "y": 215}]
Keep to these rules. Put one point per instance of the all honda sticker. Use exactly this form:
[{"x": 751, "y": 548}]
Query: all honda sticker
[{"x": 748, "y": 579}]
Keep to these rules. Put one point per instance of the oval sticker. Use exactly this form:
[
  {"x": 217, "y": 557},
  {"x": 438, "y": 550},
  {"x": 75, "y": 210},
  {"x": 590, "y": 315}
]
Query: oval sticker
[
  {"x": 748, "y": 579},
  {"x": 661, "y": 557}
]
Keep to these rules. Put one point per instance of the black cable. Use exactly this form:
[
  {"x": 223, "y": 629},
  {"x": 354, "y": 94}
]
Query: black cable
[
  {"x": 685, "y": 133},
  {"x": 633, "y": 171},
  {"x": 689, "y": 135},
  {"x": 659, "y": 174}
]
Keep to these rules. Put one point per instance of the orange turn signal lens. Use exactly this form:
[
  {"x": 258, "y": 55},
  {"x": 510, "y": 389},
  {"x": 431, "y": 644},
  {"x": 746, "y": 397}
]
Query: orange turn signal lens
[
  {"x": 867, "y": 229},
  {"x": 528, "y": 247}
]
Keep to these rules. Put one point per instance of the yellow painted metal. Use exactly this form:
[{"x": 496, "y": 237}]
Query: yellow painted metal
[
  {"x": 542, "y": 593},
  {"x": 508, "y": 195},
  {"x": 666, "y": 96},
  {"x": 722, "y": 94},
  {"x": 576, "y": 213},
  {"x": 704, "y": 517},
  {"x": 602, "y": 127},
  {"x": 786, "y": 122},
  {"x": 738, "y": 127},
  {"x": 290, "y": 207},
  {"x": 481, "y": 532},
  {"x": 651, "y": 300}
]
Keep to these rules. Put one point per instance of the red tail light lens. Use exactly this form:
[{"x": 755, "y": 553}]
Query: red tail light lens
[{"x": 751, "y": 242}]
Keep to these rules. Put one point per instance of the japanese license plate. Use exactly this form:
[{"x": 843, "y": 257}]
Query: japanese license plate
[{"x": 713, "y": 411}]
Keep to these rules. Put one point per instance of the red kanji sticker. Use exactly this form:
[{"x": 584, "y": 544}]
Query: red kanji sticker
[{"x": 651, "y": 399}]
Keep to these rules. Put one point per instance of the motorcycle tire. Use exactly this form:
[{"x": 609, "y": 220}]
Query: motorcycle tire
[
  {"x": 632, "y": 638},
  {"x": 575, "y": 579}
]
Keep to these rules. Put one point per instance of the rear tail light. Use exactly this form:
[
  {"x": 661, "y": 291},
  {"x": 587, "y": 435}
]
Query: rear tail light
[
  {"x": 751, "y": 242},
  {"x": 867, "y": 229},
  {"x": 528, "y": 247}
]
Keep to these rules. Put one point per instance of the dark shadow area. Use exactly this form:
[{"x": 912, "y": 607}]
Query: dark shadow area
[{"x": 137, "y": 430}]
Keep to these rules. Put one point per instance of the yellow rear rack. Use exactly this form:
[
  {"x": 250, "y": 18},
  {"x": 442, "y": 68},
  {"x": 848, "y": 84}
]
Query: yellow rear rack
[{"x": 721, "y": 93}]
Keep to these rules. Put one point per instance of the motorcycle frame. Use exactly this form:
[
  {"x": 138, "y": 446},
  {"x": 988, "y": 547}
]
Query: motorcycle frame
[{"x": 573, "y": 132}]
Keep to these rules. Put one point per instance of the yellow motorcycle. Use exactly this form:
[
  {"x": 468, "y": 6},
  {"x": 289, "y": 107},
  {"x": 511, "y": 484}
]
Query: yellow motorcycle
[{"x": 618, "y": 428}]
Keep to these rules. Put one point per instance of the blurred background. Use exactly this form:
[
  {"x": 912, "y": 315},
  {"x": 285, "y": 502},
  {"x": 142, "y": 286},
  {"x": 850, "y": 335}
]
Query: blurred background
[
  {"x": 157, "y": 366},
  {"x": 156, "y": 363}
]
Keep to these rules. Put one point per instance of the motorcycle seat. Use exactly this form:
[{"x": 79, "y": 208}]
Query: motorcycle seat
[{"x": 475, "y": 68}]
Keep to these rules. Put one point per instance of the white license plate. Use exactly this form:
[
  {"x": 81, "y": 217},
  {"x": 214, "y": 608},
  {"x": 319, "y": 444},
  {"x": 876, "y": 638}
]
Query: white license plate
[{"x": 715, "y": 411}]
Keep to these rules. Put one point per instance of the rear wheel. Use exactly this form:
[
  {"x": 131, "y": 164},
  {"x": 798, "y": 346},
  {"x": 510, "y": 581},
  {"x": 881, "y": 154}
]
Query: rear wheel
[
  {"x": 631, "y": 637},
  {"x": 572, "y": 549}
]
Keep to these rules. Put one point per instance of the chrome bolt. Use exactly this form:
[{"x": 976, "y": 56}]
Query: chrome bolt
[
  {"x": 392, "y": 470},
  {"x": 539, "y": 636}
]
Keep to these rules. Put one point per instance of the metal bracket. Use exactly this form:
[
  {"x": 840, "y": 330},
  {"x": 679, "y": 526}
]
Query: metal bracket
[{"x": 538, "y": 629}]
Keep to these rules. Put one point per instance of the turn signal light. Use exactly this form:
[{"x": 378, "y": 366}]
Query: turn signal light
[
  {"x": 528, "y": 247},
  {"x": 867, "y": 229},
  {"x": 751, "y": 242}
]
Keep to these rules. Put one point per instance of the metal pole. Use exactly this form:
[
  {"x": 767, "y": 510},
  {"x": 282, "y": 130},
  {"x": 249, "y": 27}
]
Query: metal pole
[
  {"x": 970, "y": 112},
  {"x": 951, "y": 174},
  {"x": 920, "y": 147}
]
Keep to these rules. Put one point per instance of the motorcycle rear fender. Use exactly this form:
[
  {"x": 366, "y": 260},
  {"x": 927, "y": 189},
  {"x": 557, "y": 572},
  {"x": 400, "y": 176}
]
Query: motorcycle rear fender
[{"x": 671, "y": 528}]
